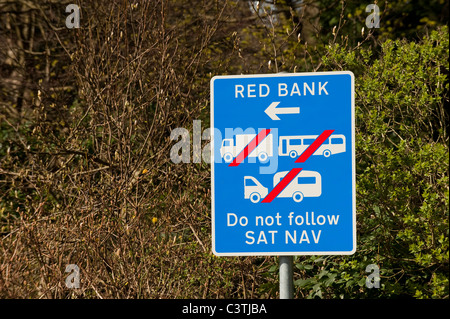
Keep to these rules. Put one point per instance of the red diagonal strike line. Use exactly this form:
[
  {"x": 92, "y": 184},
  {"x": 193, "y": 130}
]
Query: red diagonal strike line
[
  {"x": 314, "y": 146},
  {"x": 281, "y": 185},
  {"x": 250, "y": 147},
  {"x": 294, "y": 172}
]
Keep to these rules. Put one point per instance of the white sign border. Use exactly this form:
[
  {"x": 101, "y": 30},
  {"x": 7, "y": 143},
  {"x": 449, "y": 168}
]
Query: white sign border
[{"x": 284, "y": 253}]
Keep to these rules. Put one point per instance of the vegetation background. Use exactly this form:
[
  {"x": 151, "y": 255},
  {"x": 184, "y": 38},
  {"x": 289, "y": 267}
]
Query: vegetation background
[{"x": 85, "y": 122}]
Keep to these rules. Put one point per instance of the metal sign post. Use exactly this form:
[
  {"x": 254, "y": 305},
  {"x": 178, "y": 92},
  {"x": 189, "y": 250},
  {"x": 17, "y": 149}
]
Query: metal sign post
[{"x": 286, "y": 277}]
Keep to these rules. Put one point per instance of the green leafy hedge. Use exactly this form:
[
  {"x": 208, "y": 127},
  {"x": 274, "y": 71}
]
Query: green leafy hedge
[{"x": 402, "y": 174}]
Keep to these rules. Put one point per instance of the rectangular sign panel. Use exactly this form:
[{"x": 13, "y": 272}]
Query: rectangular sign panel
[{"x": 283, "y": 164}]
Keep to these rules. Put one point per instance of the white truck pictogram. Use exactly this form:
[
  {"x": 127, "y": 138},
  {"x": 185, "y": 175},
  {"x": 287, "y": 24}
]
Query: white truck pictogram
[{"x": 231, "y": 147}]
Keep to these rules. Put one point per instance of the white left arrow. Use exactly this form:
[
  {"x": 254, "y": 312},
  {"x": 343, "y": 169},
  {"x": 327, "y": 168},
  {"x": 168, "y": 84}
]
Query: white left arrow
[{"x": 272, "y": 110}]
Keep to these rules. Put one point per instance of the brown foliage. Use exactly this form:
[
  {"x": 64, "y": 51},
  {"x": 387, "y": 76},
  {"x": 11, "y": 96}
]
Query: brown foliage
[{"x": 86, "y": 176}]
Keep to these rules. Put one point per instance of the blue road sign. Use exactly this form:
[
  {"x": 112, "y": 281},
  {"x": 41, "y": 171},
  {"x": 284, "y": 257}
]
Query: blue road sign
[{"x": 283, "y": 164}]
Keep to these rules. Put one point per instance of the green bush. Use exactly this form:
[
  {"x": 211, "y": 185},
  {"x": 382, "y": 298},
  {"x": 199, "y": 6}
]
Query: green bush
[{"x": 402, "y": 174}]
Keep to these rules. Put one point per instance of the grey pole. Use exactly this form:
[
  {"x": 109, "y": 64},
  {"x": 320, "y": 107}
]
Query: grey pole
[{"x": 286, "y": 277}]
